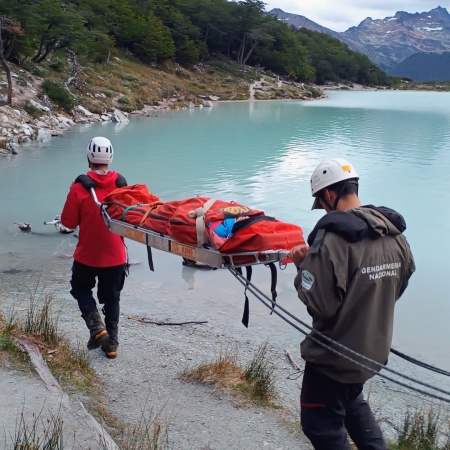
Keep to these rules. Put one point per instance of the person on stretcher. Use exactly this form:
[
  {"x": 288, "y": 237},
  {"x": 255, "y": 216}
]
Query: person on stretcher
[{"x": 224, "y": 229}]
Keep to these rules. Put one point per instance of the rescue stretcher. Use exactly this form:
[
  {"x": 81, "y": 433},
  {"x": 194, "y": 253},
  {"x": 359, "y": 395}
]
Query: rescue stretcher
[
  {"x": 204, "y": 255},
  {"x": 199, "y": 253}
]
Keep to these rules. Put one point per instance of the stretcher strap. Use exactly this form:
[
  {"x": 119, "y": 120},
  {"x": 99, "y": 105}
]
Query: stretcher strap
[
  {"x": 150, "y": 259},
  {"x": 147, "y": 213},
  {"x": 124, "y": 213},
  {"x": 199, "y": 215},
  {"x": 273, "y": 284},
  {"x": 246, "y": 315}
]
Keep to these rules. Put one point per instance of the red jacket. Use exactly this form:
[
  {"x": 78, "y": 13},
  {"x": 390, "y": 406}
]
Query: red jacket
[{"x": 97, "y": 245}]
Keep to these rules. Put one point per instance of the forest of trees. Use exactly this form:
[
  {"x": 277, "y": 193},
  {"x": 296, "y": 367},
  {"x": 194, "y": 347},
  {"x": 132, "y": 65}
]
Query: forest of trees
[{"x": 186, "y": 31}]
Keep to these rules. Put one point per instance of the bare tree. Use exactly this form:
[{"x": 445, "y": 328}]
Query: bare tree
[
  {"x": 72, "y": 57},
  {"x": 10, "y": 26}
]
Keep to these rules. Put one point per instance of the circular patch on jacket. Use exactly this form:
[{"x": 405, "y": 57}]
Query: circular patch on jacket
[{"x": 307, "y": 280}]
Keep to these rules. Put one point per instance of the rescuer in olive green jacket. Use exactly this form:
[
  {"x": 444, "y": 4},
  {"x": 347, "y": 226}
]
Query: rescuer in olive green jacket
[{"x": 356, "y": 268}]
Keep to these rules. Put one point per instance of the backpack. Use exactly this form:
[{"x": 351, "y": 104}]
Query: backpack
[{"x": 89, "y": 183}]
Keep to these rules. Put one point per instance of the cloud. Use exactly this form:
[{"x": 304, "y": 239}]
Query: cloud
[{"x": 339, "y": 15}]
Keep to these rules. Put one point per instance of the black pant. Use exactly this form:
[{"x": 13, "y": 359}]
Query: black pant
[
  {"x": 330, "y": 410},
  {"x": 110, "y": 283}
]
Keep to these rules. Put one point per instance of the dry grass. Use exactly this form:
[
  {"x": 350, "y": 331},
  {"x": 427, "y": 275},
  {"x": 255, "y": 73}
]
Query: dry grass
[
  {"x": 150, "y": 433},
  {"x": 255, "y": 383},
  {"x": 10, "y": 354},
  {"x": 40, "y": 326},
  {"x": 40, "y": 433},
  {"x": 224, "y": 372},
  {"x": 423, "y": 430},
  {"x": 126, "y": 83}
]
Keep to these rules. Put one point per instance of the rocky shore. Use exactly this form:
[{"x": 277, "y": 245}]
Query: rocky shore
[
  {"x": 34, "y": 117},
  {"x": 18, "y": 127}
]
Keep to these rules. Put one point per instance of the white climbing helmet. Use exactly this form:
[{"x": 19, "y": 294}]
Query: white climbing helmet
[
  {"x": 330, "y": 172},
  {"x": 100, "y": 150}
]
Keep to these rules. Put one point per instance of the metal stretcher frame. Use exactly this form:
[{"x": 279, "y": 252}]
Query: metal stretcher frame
[{"x": 205, "y": 255}]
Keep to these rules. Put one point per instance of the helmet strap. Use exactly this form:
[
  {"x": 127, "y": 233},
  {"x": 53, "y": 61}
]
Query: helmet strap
[
  {"x": 331, "y": 208},
  {"x": 324, "y": 200},
  {"x": 339, "y": 195},
  {"x": 341, "y": 191}
]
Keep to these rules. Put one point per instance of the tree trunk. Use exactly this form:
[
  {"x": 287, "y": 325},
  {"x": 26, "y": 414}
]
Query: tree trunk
[
  {"x": 72, "y": 56},
  {"x": 249, "y": 53},
  {"x": 7, "y": 70},
  {"x": 48, "y": 49},
  {"x": 38, "y": 54},
  {"x": 9, "y": 47},
  {"x": 240, "y": 57}
]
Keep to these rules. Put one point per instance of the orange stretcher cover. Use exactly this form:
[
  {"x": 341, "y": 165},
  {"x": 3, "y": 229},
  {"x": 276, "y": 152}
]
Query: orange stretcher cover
[{"x": 177, "y": 219}]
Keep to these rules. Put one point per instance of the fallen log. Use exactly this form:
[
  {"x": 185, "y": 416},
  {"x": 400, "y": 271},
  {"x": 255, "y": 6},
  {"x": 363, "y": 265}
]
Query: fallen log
[{"x": 86, "y": 419}]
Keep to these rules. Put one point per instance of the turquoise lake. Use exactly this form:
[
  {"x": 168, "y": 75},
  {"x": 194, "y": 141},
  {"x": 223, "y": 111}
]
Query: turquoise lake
[{"x": 260, "y": 154}]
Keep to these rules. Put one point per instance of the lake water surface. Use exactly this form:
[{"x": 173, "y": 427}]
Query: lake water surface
[{"x": 260, "y": 154}]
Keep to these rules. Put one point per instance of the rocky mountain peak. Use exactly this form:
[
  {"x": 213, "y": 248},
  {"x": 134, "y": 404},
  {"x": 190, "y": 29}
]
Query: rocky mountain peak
[{"x": 391, "y": 40}]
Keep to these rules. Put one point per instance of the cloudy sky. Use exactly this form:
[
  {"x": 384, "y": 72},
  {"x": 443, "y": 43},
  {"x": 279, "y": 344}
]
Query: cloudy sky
[{"x": 340, "y": 15}]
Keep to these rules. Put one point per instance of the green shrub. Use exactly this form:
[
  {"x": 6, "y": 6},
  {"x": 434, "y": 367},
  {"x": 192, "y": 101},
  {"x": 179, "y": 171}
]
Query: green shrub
[
  {"x": 57, "y": 66},
  {"x": 182, "y": 74},
  {"x": 38, "y": 71},
  {"x": 260, "y": 372},
  {"x": 57, "y": 94},
  {"x": 34, "y": 112},
  {"x": 196, "y": 89},
  {"x": 129, "y": 77}
]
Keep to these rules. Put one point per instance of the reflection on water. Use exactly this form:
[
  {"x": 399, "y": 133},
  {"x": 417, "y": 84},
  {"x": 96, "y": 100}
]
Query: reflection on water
[
  {"x": 188, "y": 275},
  {"x": 261, "y": 155}
]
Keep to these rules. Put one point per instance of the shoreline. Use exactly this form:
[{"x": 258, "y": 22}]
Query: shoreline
[{"x": 17, "y": 126}]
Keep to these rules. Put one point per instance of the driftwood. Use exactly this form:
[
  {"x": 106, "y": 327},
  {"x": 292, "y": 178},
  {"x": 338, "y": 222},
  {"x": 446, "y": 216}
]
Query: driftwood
[
  {"x": 87, "y": 421},
  {"x": 292, "y": 361},
  {"x": 161, "y": 322}
]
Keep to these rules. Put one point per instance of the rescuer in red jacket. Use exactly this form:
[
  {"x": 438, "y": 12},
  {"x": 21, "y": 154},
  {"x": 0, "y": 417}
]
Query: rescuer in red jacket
[{"x": 100, "y": 256}]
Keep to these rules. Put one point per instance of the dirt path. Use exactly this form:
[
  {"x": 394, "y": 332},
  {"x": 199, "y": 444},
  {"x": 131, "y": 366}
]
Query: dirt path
[
  {"x": 252, "y": 87},
  {"x": 144, "y": 380}
]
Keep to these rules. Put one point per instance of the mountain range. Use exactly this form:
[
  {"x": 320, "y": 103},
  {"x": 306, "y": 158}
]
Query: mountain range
[{"x": 391, "y": 41}]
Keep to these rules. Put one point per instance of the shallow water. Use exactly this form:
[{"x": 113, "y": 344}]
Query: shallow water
[{"x": 260, "y": 154}]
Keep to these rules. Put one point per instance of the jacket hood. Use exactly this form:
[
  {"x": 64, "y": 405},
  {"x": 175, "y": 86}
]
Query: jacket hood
[
  {"x": 358, "y": 223},
  {"x": 103, "y": 180}
]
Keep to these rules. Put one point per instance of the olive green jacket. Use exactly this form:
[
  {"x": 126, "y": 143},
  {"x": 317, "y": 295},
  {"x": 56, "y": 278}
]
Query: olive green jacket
[{"x": 357, "y": 267}]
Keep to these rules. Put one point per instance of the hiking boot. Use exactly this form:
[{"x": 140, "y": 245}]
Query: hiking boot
[
  {"x": 111, "y": 311},
  {"x": 110, "y": 349},
  {"x": 97, "y": 329}
]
